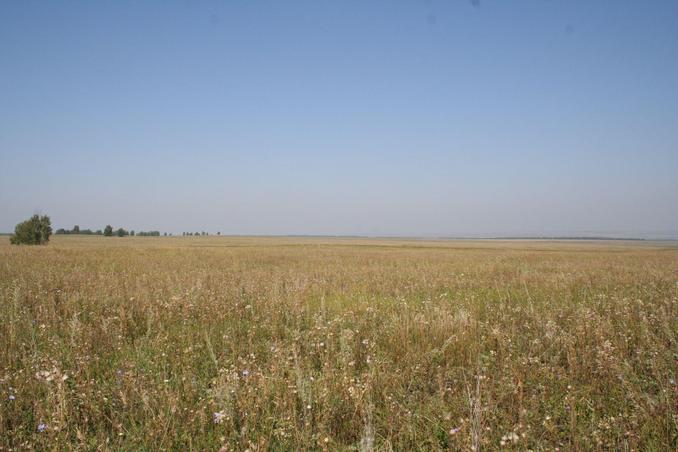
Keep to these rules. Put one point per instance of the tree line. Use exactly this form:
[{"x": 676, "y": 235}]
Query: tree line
[
  {"x": 37, "y": 229},
  {"x": 108, "y": 231},
  {"x": 197, "y": 233}
]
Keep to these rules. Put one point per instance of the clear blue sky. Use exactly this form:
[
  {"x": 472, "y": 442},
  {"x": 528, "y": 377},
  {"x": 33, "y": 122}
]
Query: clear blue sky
[{"x": 342, "y": 117}]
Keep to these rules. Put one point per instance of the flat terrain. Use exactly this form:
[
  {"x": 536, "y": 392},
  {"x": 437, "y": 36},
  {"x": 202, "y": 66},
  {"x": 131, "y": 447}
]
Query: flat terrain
[{"x": 352, "y": 344}]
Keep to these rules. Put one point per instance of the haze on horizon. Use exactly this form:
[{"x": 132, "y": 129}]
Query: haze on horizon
[{"x": 418, "y": 118}]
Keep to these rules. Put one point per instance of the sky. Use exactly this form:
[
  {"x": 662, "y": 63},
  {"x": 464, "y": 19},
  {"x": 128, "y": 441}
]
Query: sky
[{"x": 397, "y": 118}]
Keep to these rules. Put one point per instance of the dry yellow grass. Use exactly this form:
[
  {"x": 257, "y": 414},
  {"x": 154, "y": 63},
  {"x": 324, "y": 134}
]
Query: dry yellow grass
[{"x": 299, "y": 343}]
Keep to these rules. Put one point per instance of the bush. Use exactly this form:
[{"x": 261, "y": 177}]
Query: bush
[
  {"x": 108, "y": 230},
  {"x": 34, "y": 231}
]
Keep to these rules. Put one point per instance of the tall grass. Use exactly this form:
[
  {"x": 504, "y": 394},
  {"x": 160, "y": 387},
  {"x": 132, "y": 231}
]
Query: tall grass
[{"x": 211, "y": 343}]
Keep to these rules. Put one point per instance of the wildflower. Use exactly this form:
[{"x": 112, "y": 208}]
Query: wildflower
[
  {"x": 455, "y": 430},
  {"x": 42, "y": 427},
  {"x": 218, "y": 417},
  {"x": 45, "y": 375},
  {"x": 245, "y": 373},
  {"x": 11, "y": 397},
  {"x": 512, "y": 437}
]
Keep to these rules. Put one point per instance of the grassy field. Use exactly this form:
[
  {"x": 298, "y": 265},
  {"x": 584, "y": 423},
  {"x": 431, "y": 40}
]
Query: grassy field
[{"x": 205, "y": 343}]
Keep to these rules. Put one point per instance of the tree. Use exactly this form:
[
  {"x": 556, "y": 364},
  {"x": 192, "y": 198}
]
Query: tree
[
  {"x": 34, "y": 231},
  {"x": 108, "y": 230},
  {"x": 76, "y": 229},
  {"x": 131, "y": 232},
  {"x": 121, "y": 232}
]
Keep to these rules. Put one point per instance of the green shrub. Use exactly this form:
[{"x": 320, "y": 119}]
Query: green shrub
[{"x": 34, "y": 231}]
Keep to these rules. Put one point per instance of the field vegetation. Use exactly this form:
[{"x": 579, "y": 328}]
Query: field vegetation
[{"x": 208, "y": 343}]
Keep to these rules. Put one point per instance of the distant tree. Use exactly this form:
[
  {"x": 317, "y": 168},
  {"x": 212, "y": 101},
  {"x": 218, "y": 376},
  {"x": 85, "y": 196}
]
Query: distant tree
[
  {"x": 34, "y": 231},
  {"x": 60, "y": 231},
  {"x": 76, "y": 229},
  {"x": 108, "y": 230},
  {"x": 219, "y": 233},
  {"x": 148, "y": 234},
  {"x": 165, "y": 234},
  {"x": 121, "y": 232},
  {"x": 131, "y": 232}
]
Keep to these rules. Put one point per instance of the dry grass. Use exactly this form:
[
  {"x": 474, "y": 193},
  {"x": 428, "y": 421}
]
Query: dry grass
[{"x": 202, "y": 343}]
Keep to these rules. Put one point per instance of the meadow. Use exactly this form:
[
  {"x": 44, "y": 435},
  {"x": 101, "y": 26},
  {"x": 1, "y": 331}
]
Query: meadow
[{"x": 209, "y": 343}]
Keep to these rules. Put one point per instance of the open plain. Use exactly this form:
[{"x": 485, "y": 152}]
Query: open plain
[{"x": 338, "y": 344}]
